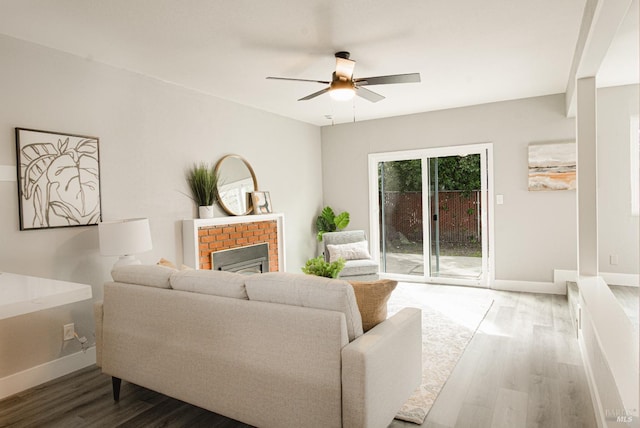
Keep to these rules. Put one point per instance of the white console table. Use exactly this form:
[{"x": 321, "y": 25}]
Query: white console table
[{"x": 20, "y": 294}]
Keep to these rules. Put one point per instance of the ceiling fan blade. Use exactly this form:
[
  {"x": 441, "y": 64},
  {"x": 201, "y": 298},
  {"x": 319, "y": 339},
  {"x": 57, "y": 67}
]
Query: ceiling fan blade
[
  {"x": 344, "y": 67},
  {"x": 368, "y": 95},
  {"x": 315, "y": 94},
  {"x": 299, "y": 80},
  {"x": 386, "y": 80}
]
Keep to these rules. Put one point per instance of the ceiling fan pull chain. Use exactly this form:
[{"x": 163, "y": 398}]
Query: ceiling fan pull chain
[{"x": 353, "y": 103}]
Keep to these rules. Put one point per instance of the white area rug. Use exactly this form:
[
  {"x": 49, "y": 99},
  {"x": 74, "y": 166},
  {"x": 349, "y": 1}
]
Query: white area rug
[{"x": 449, "y": 321}]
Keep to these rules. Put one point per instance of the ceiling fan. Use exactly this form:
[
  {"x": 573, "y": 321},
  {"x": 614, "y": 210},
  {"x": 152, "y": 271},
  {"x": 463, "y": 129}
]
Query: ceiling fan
[{"x": 343, "y": 86}]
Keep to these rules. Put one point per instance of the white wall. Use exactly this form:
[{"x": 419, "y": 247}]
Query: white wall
[
  {"x": 150, "y": 132},
  {"x": 618, "y": 231},
  {"x": 535, "y": 232}
]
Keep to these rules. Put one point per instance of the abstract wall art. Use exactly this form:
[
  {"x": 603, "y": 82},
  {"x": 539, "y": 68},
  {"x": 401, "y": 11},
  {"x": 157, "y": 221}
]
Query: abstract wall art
[
  {"x": 552, "y": 166},
  {"x": 58, "y": 179}
]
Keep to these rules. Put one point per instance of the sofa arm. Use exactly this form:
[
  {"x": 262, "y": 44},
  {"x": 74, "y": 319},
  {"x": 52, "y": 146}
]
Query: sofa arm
[
  {"x": 97, "y": 316},
  {"x": 381, "y": 369}
]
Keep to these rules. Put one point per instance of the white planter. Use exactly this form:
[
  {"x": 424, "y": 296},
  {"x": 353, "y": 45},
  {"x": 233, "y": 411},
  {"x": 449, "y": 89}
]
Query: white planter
[{"x": 205, "y": 211}]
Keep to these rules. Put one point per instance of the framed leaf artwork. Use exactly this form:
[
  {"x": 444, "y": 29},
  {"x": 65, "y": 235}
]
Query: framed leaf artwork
[{"x": 58, "y": 179}]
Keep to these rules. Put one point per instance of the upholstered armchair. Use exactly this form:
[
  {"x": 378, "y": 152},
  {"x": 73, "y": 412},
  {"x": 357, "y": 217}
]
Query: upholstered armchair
[{"x": 351, "y": 245}]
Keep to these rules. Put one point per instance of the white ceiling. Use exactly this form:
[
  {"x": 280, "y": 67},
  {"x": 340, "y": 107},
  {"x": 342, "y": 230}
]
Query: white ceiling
[{"x": 467, "y": 51}]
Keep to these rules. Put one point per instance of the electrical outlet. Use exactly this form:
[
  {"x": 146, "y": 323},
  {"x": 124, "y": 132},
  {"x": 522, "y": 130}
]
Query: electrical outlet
[
  {"x": 613, "y": 259},
  {"x": 69, "y": 331}
]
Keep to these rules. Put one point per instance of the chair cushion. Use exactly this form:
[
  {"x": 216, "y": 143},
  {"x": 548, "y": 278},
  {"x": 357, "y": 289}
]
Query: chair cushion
[
  {"x": 359, "y": 267},
  {"x": 308, "y": 291},
  {"x": 372, "y": 297}
]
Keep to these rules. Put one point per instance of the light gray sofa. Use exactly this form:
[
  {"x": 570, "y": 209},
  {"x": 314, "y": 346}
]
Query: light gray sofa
[{"x": 270, "y": 350}]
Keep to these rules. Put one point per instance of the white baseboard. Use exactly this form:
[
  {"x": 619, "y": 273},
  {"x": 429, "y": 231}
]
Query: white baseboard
[
  {"x": 562, "y": 276},
  {"x": 530, "y": 286},
  {"x": 626, "y": 279},
  {"x": 611, "y": 278},
  {"x": 37, "y": 375}
]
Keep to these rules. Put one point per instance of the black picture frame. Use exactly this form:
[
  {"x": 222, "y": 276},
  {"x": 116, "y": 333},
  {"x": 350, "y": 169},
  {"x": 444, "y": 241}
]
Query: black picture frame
[{"x": 58, "y": 179}]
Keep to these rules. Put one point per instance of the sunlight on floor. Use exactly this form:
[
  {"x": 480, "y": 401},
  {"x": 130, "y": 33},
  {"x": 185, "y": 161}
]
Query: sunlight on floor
[
  {"x": 492, "y": 329},
  {"x": 459, "y": 305}
]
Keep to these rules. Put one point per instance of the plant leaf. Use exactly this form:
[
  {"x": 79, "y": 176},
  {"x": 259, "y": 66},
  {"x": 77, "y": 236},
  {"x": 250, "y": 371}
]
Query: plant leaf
[
  {"x": 87, "y": 146},
  {"x": 34, "y": 162},
  {"x": 203, "y": 181},
  {"x": 38, "y": 216},
  {"x": 342, "y": 220},
  {"x": 323, "y": 225},
  {"x": 62, "y": 147},
  {"x": 64, "y": 211},
  {"x": 328, "y": 214},
  {"x": 319, "y": 267}
]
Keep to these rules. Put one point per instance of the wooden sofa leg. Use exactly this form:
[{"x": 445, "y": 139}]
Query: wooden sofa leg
[{"x": 115, "y": 383}]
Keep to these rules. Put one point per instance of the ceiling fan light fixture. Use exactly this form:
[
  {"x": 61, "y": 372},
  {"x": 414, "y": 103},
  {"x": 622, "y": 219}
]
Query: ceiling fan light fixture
[
  {"x": 342, "y": 90},
  {"x": 343, "y": 86}
]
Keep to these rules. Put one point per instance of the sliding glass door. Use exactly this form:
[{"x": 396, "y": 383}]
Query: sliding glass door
[
  {"x": 431, "y": 214},
  {"x": 401, "y": 226}
]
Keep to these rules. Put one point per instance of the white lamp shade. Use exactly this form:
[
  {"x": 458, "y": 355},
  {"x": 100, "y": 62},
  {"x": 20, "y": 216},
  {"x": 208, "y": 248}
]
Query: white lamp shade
[{"x": 124, "y": 237}]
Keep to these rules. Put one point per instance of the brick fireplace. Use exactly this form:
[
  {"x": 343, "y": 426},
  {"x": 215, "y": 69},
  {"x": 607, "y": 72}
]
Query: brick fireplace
[{"x": 201, "y": 237}]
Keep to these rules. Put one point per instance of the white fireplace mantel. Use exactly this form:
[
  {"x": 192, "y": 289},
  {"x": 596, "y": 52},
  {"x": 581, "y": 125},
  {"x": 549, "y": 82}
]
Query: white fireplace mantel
[{"x": 190, "y": 245}]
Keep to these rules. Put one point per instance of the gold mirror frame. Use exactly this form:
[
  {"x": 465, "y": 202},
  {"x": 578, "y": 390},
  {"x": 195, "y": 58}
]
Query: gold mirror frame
[{"x": 233, "y": 196}]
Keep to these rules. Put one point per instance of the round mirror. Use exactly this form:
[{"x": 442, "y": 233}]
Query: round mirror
[{"x": 236, "y": 181}]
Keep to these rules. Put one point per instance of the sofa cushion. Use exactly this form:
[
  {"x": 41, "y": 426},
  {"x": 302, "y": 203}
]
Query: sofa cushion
[
  {"x": 308, "y": 291},
  {"x": 372, "y": 297},
  {"x": 218, "y": 283},
  {"x": 351, "y": 251},
  {"x": 150, "y": 275}
]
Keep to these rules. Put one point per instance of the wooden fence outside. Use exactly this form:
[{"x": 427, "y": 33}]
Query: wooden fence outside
[{"x": 459, "y": 216}]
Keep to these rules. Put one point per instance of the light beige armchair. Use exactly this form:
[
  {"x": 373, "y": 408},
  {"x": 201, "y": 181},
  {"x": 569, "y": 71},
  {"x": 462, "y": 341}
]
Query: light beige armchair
[{"x": 352, "y": 245}]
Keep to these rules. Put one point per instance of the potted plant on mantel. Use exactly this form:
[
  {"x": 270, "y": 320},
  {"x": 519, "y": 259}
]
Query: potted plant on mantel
[{"x": 203, "y": 182}]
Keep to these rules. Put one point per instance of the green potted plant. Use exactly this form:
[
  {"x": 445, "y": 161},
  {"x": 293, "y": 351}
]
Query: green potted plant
[
  {"x": 319, "y": 267},
  {"x": 203, "y": 182},
  {"x": 328, "y": 221}
]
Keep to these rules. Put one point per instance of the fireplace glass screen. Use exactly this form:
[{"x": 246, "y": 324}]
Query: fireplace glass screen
[{"x": 246, "y": 260}]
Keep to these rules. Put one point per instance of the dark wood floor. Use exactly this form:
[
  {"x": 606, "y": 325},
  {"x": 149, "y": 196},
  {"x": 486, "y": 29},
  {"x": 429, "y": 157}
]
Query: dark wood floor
[
  {"x": 521, "y": 369},
  {"x": 83, "y": 399}
]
